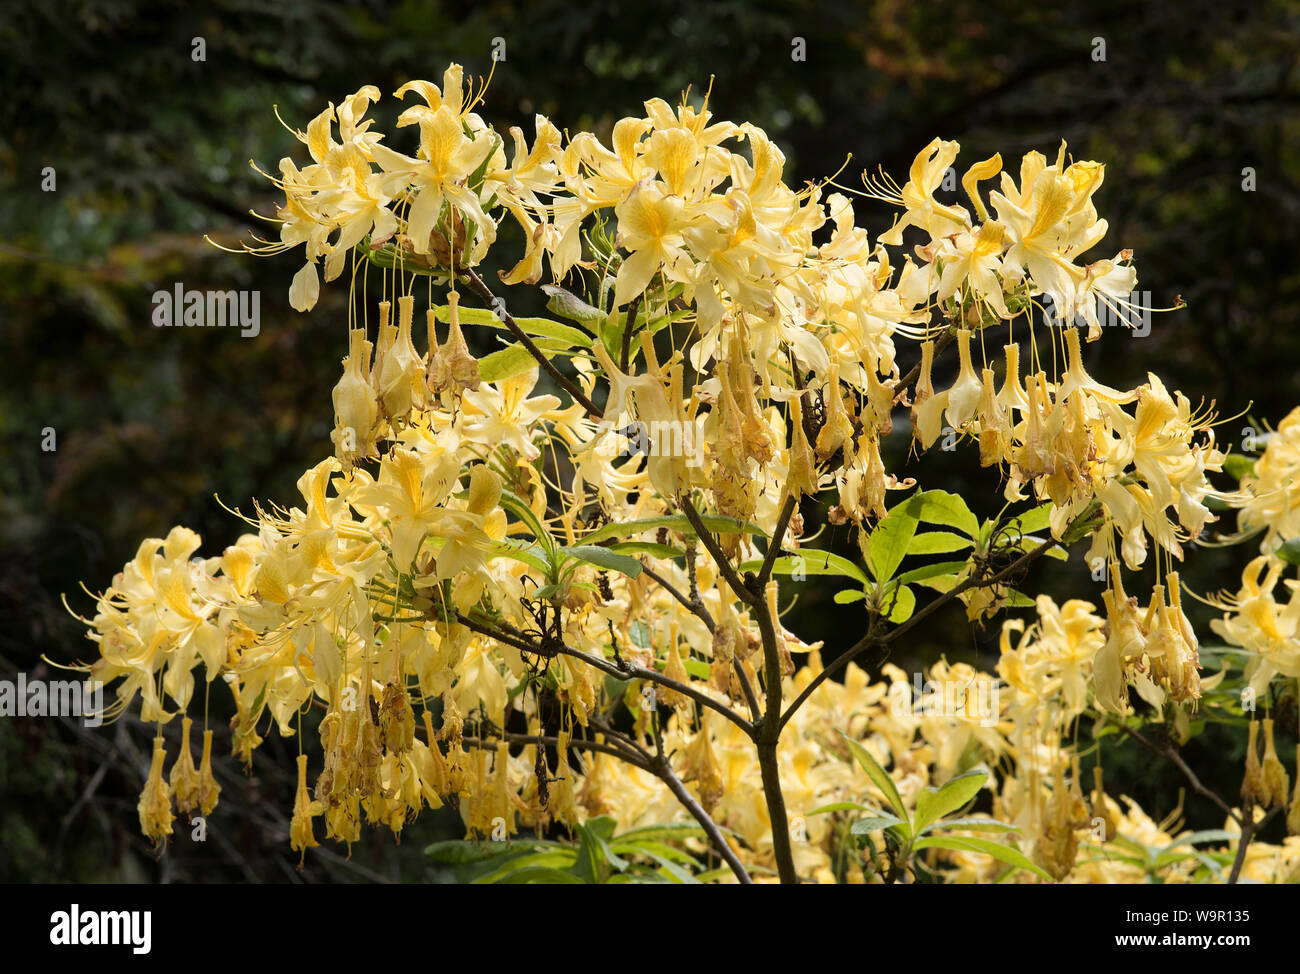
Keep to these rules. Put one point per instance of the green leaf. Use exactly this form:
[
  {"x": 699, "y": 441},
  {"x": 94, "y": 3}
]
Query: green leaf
[
  {"x": 1011, "y": 855},
  {"x": 933, "y": 804},
  {"x": 696, "y": 668},
  {"x": 1289, "y": 551},
  {"x": 875, "y": 823},
  {"x": 941, "y": 507},
  {"x": 843, "y": 807},
  {"x": 655, "y": 833},
  {"x": 1207, "y": 835},
  {"x": 563, "y": 336},
  {"x": 605, "y": 558},
  {"x": 507, "y": 363},
  {"x": 901, "y": 606},
  {"x": 459, "y": 852},
  {"x": 1238, "y": 466},
  {"x": 1035, "y": 519},
  {"x": 520, "y": 550},
  {"x": 848, "y": 596},
  {"x": 594, "y": 853},
  {"x": 515, "y": 505},
  {"x": 674, "y": 522},
  {"x": 888, "y": 543},
  {"x": 878, "y": 775},
  {"x": 812, "y": 562},
  {"x": 566, "y": 304},
  {"x": 647, "y": 548},
  {"x": 561, "y": 859},
  {"x": 976, "y": 824},
  {"x": 1089, "y": 520},
  {"x": 937, "y": 543},
  {"x": 671, "y": 869},
  {"x": 931, "y": 571}
]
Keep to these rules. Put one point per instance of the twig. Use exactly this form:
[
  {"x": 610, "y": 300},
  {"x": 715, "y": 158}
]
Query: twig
[
  {"x": 628, "y": 671},
  {"x": 1170, "y": 753},
  {"x": 633, "y": 308},
  {"x": 485, "y": 294},
  {"x": 778, "y": 537},
  {"x": 743, "y": 592},
  {"x": 873, "y": 638}
]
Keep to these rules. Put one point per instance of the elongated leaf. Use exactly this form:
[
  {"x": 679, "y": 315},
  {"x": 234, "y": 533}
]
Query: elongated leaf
[
  {"x": 1003, "y": 853},
  {"x": 1207, "y": 835},
  {"x": 1289, "y": 551},
  {"x": 1035, "y": 519},
  {"x": 672, "y": 870},
  {"x": 842, "y": 807},
  {"x": 539, "y": 874},
  {"x": 812, "y": 562},
  {"x": 878, "y": 775},
  {"x": 888, "y": 543},
  {"x": 671, "y": 830},
  {"x": 594, "y": 853},
  {"x": 933, "y": 804},
  {"x": 515, "y": 505},
  {"x": 566, "y": 304},
  {"x": 874, "y": 823},
  {"x": 647, "y": 548},
  {"x": 559, "y": 859},
  {"x": 673, "y": 522},
  {"x": 975, "y": 824},
  {"x": 530, "y": 554},
  {"x": 937, "y": 543},
  {"x": 848, "y": 596},
  {"x": 941, "y": 583},
  {"x": 506, "y": 363},
  {"x": 459, "y": 852},
  {"x": 597, "y": 555},
  {"x": 931, "y": 571},
  {"x": 1237, "y": 466},
  {"x": 565, "y": 336},
  {"x": 941, "y": 507},
  {"x": 900, "y": 606}
]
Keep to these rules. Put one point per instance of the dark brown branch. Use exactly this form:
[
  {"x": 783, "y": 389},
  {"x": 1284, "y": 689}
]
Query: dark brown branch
[
  {"x": 627, "y": 671},
  {"x": 743, "y": 592},
  {"x": 629, "y": 321},
  {"x": 778, "y": 538}
]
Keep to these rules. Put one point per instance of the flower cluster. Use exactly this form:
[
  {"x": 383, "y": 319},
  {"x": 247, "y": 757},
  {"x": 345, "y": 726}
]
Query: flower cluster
[{"x": 494, "y": 601}]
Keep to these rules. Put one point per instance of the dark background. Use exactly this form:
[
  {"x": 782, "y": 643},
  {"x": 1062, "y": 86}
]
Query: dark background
[{"x": 151, "y": 151}]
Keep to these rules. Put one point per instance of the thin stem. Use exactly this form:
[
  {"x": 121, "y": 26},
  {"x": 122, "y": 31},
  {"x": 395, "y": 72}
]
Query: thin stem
[
  {"x": 627, "y": 671},
  {"x": 769, "y": 734},
  {"x": 485, "y": 294},
  {"x": 634, "y": 306},
  {"x": 697, "y": 608},
  {"x": 1170, "y": 753},
  {"x": 694, "y": 606},
  {"x": 664, "y": 772},
  {"x": 581, "y": 743},
  {"x": 738, "y": 585},
  {"x": 778, "y": 538}
]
